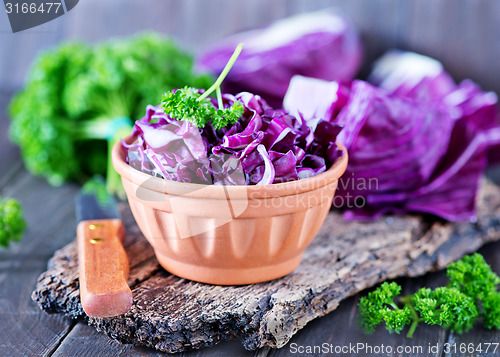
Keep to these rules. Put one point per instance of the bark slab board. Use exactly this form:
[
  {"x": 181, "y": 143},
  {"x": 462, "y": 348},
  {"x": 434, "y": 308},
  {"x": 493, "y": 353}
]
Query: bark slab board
[{"x": 172, "y": 314}]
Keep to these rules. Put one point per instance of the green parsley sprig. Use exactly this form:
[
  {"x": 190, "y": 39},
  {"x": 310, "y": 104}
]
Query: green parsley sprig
[
  {"x": 80, "y": 100},
  {"x": 12, "y": 223},
  {"x": 190, "y": 105},
  {"x": 471, "y": 293}
]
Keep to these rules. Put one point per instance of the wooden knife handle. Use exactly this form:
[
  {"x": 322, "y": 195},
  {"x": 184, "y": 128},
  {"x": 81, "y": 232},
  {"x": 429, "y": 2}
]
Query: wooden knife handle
[{"x": 103, "y": 267}]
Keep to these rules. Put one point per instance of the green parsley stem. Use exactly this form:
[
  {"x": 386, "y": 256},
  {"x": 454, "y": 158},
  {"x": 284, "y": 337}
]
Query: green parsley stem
[
  {"x": 405, "y": 299},
  {"x": 413, "y": 326},
  {"x": 224, "y": 73},
  {"x": 414, "y": 316},
  {"x": 219, "y": 98}
]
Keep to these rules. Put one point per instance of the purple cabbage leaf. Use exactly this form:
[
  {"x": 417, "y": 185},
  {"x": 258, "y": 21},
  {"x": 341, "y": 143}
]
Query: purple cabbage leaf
[
  {"x": 417, "y": 143},
  {"x": 264, "y": 146},
  {"x": 321, "y": 44}
]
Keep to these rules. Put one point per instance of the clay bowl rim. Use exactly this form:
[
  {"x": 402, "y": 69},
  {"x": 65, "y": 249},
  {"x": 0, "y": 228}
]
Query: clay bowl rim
[{"x": 195, "y": 190}]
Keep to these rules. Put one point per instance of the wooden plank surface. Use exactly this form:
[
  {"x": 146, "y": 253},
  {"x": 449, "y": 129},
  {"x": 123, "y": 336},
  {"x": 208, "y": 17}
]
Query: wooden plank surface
[
  {"x": 461, "y": 33},
  {"x": 23, "y": 330},
  {"x": 172, "y": 314},
  {"x": 20, "y": 269},
  {"x": 339, "y": 332},
  {"x": 340, "y": 328},
  {"x": 77, "y": 344}
]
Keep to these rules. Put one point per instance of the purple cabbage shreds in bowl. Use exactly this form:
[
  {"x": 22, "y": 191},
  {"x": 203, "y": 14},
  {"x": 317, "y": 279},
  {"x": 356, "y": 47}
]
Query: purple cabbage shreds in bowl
[{"x": 264, "y": 146}]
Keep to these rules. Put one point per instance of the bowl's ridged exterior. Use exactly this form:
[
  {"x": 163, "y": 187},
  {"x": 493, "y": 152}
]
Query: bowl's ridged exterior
[{"x": 236, "y": 236}]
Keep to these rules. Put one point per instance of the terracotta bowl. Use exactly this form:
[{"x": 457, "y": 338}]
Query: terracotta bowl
[{"x": 228, "y": 235}]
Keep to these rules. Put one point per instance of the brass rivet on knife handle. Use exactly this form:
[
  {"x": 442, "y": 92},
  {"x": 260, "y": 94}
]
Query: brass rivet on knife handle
[{"x": 103, "y": 268}]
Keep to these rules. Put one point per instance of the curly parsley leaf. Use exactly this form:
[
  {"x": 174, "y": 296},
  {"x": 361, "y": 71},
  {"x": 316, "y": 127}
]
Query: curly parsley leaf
[
  {"x": 446, "y": 307},
  {"x": 474, "y": 277},
  {"x": 470, "y": 294},
  {"x": 12, "y": 223},
  {"x": 379, "y": 306},
  {"x": 190, "y": 105}
]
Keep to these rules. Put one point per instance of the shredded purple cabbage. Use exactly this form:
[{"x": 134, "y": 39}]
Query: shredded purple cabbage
[
  {"x": 265, "y": 146},
  {"x": 321, "y": 44},
  {"x": 418, "y": 143}
]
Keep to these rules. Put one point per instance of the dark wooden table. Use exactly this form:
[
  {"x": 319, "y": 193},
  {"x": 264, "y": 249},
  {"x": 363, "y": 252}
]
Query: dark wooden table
[{"x": 463, "y": 34}]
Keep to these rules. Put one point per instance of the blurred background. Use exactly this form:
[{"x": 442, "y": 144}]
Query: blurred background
[{"x": 462, "y": 34}]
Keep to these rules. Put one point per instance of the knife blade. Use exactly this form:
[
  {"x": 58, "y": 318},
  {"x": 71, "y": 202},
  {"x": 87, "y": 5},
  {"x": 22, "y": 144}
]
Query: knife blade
[{"x": 103, "y": 263}]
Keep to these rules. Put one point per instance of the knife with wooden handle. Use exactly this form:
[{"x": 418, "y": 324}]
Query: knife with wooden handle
[{"x": 102, "y": 260}]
